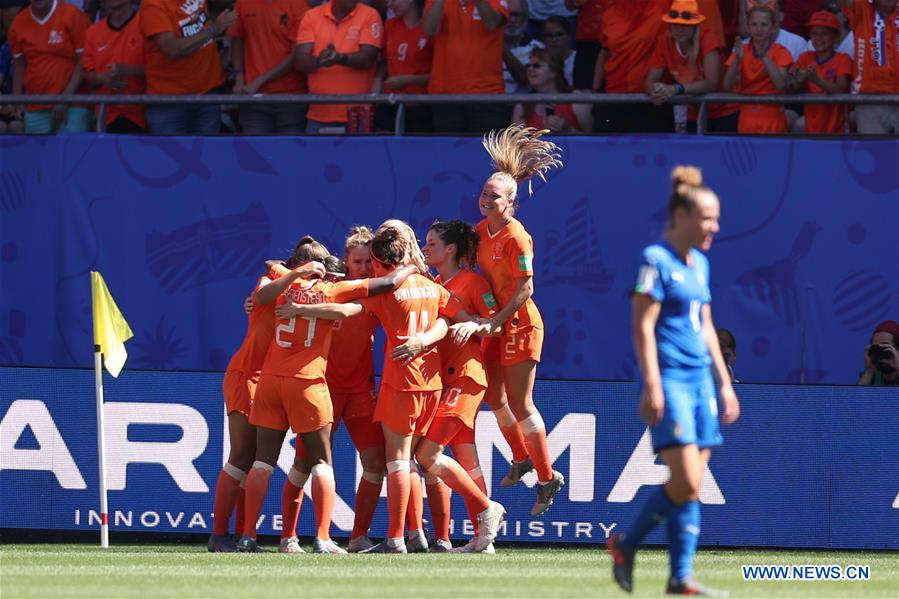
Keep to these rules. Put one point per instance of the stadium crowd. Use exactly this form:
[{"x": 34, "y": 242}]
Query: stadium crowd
[{"x": 661, "y": 48}]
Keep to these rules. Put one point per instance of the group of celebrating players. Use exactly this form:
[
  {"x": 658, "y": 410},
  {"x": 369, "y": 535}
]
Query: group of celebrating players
[
  {"x": 456, "y": 339},
  {"x": 306, "y": 363}
]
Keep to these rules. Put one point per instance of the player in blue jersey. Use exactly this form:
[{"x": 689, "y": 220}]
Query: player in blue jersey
[{"x": 678, "y": 353}]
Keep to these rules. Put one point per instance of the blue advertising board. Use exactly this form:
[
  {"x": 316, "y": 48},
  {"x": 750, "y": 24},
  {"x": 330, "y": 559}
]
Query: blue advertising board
[
  {"x": 805, "y": 466},
  {"x": 805, "y": 266}
]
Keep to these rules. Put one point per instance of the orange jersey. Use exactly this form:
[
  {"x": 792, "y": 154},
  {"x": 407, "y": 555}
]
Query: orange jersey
[
  {"x": 629, "y": 31},
  {"x": 475, "y": 297},
  {"x": 351, "y": 360},
  {"x": 268, "y": 29},
  {"x": 825, "y": 118},
  {"x": 361, "y": 27},
  {"x": 197, "y": 73},
  {"x": 589, "y": 18},
  {"x": 301, "y": 345},
  {"x": 105, "y": 46},
  {"x": 468, "y": 59},
  {"x": 755, "y": 81},
  {"x": 668, "y": 57},
  {"x": 260, "y": 328},
  {"x": 876, "y": 49},
  {"x": 711, "y": 10},
  {"x": 504, "y": 257},
  {"x": 49, "y": 47},
  {"x": 408, "y": 51},
  {"x": 412, "y": 308}
]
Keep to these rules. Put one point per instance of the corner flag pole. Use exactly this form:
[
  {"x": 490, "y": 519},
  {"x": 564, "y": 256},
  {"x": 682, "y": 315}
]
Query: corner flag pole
[
  {"x": 101, "y": 449},
  {"x": 111, "y": 331}
]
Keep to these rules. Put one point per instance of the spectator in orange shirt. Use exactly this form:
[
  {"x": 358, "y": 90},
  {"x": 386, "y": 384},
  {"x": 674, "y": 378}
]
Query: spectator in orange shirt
[
  {"x": 182, "y": 59},
  {"x": 47, "y": 43},
  {"x": 114, "y": 64},
  {"x": 629, "y": 31},
  {"x": 546, "y": 76},
  {"x": 757, "y": 68},
  {"x": 468, "y": 59},
  {"x": 586, "y": 39},
  {"x": 823, "y": 71},
  {"x": 875, "y": 25},
  {"x": 405, "y": 67},
  {"x": 262, "y": 55},
  {"x": 692, "y": 56},
  {"x": 337, "y": 47}
]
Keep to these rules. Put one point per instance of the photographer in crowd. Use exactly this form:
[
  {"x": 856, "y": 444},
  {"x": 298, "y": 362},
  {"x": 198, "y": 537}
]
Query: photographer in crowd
[{"x": 882, "y": 356}]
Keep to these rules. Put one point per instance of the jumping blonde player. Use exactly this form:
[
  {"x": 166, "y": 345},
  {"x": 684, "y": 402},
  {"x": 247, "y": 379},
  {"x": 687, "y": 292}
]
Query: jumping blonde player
[
  {"x": 505, "y": 257},
  {"x": 292, "y": 392}
]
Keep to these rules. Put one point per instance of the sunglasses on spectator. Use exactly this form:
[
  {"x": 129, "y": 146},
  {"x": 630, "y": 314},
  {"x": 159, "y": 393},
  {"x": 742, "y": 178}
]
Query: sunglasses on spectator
[
  {"x": 535, "y": 65},
  {"x": 553, "y": 35},
  {"x": 686, "y": 15}
]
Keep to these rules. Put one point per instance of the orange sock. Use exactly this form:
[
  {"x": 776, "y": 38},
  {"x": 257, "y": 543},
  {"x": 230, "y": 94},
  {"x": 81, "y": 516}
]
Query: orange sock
[
  {"x": 416, "y": 507},
  {"x": 256, "y": 486},
  {"x": 397, "y": 497},
  {"x": 439, "y": 499},
  {"x": 458, "y": 480},
  {"x": 240, "y": 509},
  {"x": 535, "y": 437},
  {"x": 227, "y": 488},
  {"x": 292, "y": 502},
  {"x": 367, "y": 496},
  {"x": 512, "y": 433},
  {"x": 323, "y": 497}
]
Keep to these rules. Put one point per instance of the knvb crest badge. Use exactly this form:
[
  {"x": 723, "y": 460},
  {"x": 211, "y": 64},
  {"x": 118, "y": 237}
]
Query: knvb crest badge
[{"x": 55, "y": 37}]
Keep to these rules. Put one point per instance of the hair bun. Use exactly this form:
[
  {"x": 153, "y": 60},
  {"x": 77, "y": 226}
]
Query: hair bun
[
  {"x": 360, "y": 230},
  {"x": 686, "y": 175}
]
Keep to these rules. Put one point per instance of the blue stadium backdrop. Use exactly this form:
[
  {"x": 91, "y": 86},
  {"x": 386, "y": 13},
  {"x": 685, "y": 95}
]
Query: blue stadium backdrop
[
  {"x": 805, "y": 266},
  {"x": 806, "y": 466},
  {"x": 807, "y": 262}
]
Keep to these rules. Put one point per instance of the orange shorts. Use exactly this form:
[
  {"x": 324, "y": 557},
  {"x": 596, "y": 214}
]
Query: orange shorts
[
  {"x": 523, "y": 344},
  {"x": 461, "y": 398},
  {"x": 238, "y": 390},
  {"x": 365, "y": 433},
  {"x": 406, "y": 412},
  {"x": 283, "y": 402},
  {"x": 450, "y": 430},
  {"x": 348, "y": 406}
]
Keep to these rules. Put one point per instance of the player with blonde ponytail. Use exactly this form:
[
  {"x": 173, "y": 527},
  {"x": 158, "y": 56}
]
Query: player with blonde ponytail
[{"x": 505, "y": 256}]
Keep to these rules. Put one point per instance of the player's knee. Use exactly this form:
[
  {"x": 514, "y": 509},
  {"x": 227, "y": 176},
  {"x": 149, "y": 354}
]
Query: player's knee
[
  {"x": 682, "y": 490},
  {"x": 373, "y": 463},
  {"x": 426, "y": 454}
]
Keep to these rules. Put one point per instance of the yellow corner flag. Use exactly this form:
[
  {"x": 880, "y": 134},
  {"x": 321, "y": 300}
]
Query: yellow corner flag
[{"x": 110, "y": 329}]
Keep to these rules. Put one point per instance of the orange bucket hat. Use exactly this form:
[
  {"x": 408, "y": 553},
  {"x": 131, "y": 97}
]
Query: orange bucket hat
[{"x": 684, "y": 12}]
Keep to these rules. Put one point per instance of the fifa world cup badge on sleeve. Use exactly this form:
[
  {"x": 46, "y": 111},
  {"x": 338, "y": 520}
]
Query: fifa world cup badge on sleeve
[
  {"x": 489, "y": 300},
  {"x": 646, "y": 278},
  {"x": 525, "y": 263}
]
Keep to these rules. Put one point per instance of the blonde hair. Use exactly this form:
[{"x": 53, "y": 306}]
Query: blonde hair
[
  {"x": 686, "y": 188},
  {"x": 518, "y": 154},
  {"x": 413, "y": 250},
  {"x": 359, "y": 236}
]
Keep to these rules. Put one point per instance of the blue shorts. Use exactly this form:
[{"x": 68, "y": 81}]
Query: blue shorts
[{"x": 691, "y": 414}]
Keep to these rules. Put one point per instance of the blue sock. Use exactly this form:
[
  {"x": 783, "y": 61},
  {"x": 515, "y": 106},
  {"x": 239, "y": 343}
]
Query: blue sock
[
  {"x": 683, "y": 536},
  {"x": 654, "y": 512}
]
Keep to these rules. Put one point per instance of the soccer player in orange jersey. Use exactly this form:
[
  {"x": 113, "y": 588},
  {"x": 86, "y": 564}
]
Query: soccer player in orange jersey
[
  {"x": 238, "y": 387},
  {"x": 505, "y": 256},
  {"x": 451, "y": 248},
  {"x": 413, "y": 318},
  {"x": 292, "y": 392},
  {"x": 350, "y": 378}
]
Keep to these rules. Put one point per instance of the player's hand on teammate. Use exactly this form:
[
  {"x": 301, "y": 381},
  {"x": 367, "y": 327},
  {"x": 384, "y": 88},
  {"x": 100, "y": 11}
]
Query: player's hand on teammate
[
  {"x": 407, "y": 352},
  {"x": 729, "y": 403},
  {"x": 461, "y": 332},
  {"x": 652, "y": 404},
  {"x": 248, "y": 305},
  {"x": 311, "y": 269}
]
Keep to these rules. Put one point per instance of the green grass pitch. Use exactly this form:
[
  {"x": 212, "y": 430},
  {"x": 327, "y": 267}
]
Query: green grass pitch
[{"x": 48, "y": 571}]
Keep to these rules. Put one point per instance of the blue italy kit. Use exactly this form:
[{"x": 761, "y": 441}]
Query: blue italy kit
[{"x": 691, "y": 409}]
